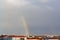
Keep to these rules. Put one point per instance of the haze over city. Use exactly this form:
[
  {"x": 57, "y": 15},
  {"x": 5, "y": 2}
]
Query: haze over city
[{"x": 42, "y": 16}]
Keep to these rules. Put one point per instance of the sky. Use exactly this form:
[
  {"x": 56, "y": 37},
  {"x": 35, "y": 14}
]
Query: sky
[{"x": 42, "y": 16}]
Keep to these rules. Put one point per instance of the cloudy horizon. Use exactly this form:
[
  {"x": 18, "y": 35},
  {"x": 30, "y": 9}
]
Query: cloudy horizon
[{"x": 42, "y": 16}]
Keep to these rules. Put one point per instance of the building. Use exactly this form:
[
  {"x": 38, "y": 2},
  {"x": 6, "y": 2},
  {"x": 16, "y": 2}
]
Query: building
[
  {"x": 22, "y": 37},
  {"x": 12, "y": 37}
]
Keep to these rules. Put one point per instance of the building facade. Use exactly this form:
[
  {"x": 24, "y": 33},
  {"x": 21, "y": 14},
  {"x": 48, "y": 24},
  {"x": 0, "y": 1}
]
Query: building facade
[{"x": 22, "y": 37}]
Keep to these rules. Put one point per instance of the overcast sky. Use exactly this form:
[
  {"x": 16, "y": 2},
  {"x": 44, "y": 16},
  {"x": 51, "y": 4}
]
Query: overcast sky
[{"x": 42, "y": 16}]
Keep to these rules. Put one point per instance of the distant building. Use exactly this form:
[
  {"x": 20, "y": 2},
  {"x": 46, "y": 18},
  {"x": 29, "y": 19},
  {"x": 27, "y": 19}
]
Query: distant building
[
  {"x": 11, "y": 37},
  {"x": 22, "y": 37}
]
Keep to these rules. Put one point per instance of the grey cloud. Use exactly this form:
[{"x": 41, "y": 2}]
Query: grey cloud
[{"x": 38, "y": 17}]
